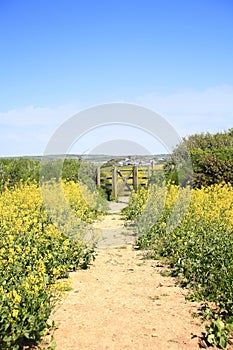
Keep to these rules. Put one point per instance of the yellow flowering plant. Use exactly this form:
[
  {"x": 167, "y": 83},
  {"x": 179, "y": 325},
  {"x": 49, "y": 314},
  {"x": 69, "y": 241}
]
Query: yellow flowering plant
[
  {"x": 35, "y": 254},
  {"x": 198, "y": 244}
]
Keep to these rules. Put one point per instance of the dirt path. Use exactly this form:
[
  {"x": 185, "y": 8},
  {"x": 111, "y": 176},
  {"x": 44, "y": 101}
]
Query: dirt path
[
  {"x": 123, "y": 302},
  {"x": 111, "y": 229}
]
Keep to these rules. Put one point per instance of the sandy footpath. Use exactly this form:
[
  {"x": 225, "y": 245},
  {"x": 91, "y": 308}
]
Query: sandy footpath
[{"x": 123, "y": 301}]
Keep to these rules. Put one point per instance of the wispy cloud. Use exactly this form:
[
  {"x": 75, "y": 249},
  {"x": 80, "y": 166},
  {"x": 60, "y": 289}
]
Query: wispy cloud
[
  {"x": 194, "y": 111},
  {"x": 26, "y": 131}
]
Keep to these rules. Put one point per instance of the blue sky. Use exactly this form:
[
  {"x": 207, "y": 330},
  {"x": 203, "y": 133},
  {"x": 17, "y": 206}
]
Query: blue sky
[{"x": 61, "y": 56}]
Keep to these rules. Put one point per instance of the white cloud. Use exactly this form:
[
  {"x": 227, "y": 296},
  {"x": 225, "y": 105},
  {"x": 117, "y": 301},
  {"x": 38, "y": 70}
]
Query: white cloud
[
  {"x": 36, "y": 116},
  {"x": 26, "y": 131},
  {"x": 113, "y": 139},
  {"x": 194, "y": 111}
]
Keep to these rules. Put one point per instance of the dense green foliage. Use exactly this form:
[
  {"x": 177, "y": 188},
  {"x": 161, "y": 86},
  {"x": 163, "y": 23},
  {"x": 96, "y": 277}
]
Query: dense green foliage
[
  {"x": 198, "y": 244},
  {"x": 211, "y": 157},
  {"x": 14, "y": 170}
]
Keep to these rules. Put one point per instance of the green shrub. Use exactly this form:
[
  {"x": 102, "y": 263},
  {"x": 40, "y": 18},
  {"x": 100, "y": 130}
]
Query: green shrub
[{"x": 211, "y": 157}]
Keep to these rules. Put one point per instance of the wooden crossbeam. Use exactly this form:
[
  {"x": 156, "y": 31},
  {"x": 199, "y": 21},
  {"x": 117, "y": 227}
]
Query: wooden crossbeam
[{"x": 125, "y": 178}]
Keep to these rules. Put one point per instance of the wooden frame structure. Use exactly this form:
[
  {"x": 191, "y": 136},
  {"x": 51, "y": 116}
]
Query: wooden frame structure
[{"x": 130, "y": 178}]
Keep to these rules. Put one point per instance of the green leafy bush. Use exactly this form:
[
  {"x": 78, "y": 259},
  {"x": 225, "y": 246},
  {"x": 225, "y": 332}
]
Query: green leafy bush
[{"x": 211, "y": 156}]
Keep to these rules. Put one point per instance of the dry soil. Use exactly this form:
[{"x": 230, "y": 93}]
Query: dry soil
[{"x": 123, "y": 301}]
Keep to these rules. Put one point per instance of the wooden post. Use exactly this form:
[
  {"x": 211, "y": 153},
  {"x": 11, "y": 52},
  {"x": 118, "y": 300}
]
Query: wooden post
[
  {"x": 114, "y": 182},
  {"x": 135, "y": 178},
  {"x": 148, "y": 174},
  {"x": 98, "y": 176},
  {"x": 152, "y": 167}
]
